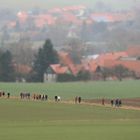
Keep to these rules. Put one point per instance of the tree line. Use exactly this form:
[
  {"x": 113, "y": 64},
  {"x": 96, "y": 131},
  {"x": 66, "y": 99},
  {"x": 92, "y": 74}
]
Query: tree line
[{"x": 47, "y": 55}]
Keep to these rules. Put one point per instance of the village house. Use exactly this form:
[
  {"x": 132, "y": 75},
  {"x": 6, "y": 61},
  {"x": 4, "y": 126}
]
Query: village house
[
  {"x": 53, "y": 71},
  {"x": 95, "y": 65}
]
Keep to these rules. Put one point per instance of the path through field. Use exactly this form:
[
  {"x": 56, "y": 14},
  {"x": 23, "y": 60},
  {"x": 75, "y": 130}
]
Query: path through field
[
  {"x": 128, "y": 107},
  {"x": 129, "y": 104}
]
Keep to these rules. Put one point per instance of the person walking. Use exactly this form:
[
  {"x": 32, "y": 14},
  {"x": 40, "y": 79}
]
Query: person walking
[
  {"x": 103, "y": 101},
  {"x": 79, "y": 100},
  {"x": 8, "y": 95},
  {"x": 76, "y": 99},
  {"x": 112, "y": 102}
]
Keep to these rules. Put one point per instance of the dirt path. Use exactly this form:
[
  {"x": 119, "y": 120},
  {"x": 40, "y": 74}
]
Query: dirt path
[
  {"x": 106, "y": 105},
  {"x": 125, "y": 106}
]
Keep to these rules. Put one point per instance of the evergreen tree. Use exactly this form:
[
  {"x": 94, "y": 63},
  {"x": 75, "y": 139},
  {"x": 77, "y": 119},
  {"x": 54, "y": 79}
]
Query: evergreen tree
[
  {"x": 46, "y": 56},
  {"x": 6, "y": 67}
]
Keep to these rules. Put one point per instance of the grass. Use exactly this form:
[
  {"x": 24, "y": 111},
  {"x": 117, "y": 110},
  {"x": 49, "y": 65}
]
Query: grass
[
  {"x": 20, "y": 120},
  {"x": 88, "y": 90},
  {"x": 34, "y": 120}
]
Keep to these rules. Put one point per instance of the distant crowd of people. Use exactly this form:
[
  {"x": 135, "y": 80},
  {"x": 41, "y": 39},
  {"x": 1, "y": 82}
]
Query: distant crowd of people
[
  {"x": 78, "y": 99},
  {"x": 116, "y": 102},
  {"x": 40, "y": 97},
  {"x": 24, "y": 95},
  {"x": 113, "y": 102},
  {"x": 3, "y": 94}
]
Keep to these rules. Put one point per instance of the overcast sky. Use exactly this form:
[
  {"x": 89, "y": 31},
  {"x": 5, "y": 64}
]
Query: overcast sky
[{"x": 28, "y": 4}]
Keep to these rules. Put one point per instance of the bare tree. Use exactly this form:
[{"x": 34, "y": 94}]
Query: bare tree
[
  {"x": 22, "y": 52},
  {"x": 120, "y": 72}
]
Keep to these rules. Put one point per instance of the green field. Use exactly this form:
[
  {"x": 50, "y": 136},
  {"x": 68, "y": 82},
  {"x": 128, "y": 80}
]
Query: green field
[
  {"x": 87, "y": 90},
  {"x": 37, "y": 120},
  {"x": 41, "y": 120}
]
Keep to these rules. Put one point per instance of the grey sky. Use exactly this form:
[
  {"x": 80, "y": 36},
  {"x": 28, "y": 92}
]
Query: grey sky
[{"x": 27, "y": 4}]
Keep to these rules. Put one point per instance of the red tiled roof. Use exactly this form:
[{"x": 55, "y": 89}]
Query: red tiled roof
[
  {"x": 102, "y": 59},
  {"x": 134, "y": 51},
  {"x": 130, "y": 64},
  {"x": 67, "y": 61},
  {"x": 92, "y": 65},
  {"x": 69, "y": 17},
  {"x": 58, "y": 69},
  {"x": 43, "y": 19},
  {"x": 111, "y": 17},
  {"x": 65, "y": 58},
  {"x": 102, "y": 17},
  {"x": 74, "y": 68}
]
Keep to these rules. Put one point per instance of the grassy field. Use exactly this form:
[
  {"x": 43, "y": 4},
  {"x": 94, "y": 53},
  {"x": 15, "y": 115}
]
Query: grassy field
[
  {"x": 28, "y": 4},
  {"x": 41, "y": 120},
  {"x": 87, "y": 90},
  {"x": 37, "y": 120}
]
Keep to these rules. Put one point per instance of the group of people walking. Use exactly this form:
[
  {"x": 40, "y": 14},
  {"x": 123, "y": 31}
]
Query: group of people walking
[
  {"x": 78, "y": 99},
  {"x": 23, "y": 95},
  {"x": 40, "y": 97},
  {"x": 113, "y": 102},
  {"x": 3, "y": 94},
  {"x": 116, "y": 102}
]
